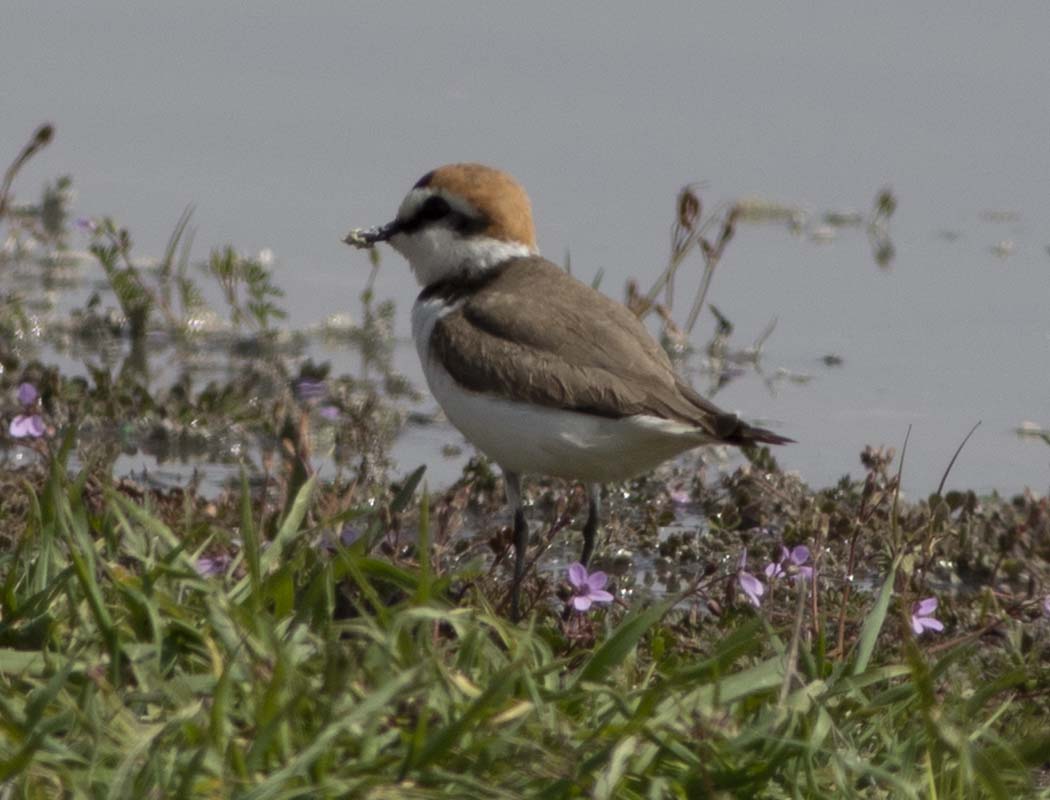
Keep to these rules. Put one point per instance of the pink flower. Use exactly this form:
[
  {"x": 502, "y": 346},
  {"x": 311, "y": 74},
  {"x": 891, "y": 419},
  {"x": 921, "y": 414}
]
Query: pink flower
[
  {"x": 587, "y": 588},
  {"x": 791, "y": 563},
  {"x": 309, "y": 390},
  {"x": 27, "y": 425},
  {"x": 24, "y": 426},
  {"x": 750, "y": 585},
  {"x": 922, "y": 618},
  {"x": 213, "y": 566}
]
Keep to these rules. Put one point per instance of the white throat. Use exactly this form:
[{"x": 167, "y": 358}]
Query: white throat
[{"x": 437, "y": 253}]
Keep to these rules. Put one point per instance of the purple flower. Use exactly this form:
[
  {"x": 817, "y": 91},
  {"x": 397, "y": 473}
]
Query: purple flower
[
  {"x": 791, "y": 562},
  {"x": 587, "y": 588},
  {"x": 1046, "y": 605},
  {"x": 329, "y": 412},
  {"x": 27, "y": 394},
  {"x": 331, "y": 541},
  {"x": 212, "y": 566},
  {"x": 750, "y": 585},
  {"x": 922, "y": 618},
  {"x": 27, "y": 426},
  {"x": 307, "y": 390},
  {"x": 349, "y": 534},
  {"x": 86, "y": 224}
]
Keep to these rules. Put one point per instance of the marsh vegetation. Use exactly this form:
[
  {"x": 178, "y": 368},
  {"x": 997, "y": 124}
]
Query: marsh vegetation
[{"x": 215, "y": 581}]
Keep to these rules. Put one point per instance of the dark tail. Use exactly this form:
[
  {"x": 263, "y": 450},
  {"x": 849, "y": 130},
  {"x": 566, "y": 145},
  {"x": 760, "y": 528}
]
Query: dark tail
[
  {"x": 746, "y": 435},
  {"x": 727, "y": 427}
]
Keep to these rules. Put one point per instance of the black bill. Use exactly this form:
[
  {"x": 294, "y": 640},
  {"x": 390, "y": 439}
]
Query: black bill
[{"x": 368, "y": 237}]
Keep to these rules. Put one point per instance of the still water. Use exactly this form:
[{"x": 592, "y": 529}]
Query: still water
[{"x": 286, "y": 127}]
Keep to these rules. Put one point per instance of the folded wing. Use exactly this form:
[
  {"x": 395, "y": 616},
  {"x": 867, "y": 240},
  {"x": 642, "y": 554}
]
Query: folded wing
[{"x": 569, "y": 346}]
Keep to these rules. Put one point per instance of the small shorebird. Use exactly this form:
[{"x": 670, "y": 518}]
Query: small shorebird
[{"x": 542, "y": 373}]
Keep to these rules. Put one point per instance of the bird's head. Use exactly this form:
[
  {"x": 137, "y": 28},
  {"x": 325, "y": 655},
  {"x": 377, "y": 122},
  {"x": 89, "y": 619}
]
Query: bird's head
[{"x": 457, "y": 221}]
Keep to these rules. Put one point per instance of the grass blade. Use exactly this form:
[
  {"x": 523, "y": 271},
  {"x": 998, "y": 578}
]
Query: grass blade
[
  {"x": 616, "y": 648},
  {"x": 869, "y": 632}
]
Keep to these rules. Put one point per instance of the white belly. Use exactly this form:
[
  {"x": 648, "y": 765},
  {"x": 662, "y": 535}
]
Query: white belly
[{"x": 525, "y": 438}]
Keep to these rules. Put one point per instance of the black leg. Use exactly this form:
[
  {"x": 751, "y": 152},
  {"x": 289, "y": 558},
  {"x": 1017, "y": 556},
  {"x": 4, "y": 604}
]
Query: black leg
[
  {"x": 590, "y": 528},
  {"x": 521, "y": 541}
]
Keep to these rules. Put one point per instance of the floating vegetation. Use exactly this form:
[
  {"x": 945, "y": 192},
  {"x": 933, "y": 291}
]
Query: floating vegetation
[
  {"x": 1000, "y": 215},
  {"x": 760, "y": 211},
  {"x": 1033, "y": 430},
  {"x": 826, "y": 227},
  {"x": 823, "y": 233},
  {"x": 1004, "y": 248},
  {"x": 843, "y": 219}
]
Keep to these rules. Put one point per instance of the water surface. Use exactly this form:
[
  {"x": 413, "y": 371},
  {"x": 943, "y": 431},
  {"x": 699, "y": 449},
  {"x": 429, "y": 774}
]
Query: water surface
[{"x": 285, "y": 127}]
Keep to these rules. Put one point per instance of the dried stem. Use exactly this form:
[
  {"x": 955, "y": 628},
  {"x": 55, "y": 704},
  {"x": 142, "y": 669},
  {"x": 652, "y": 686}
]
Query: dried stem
[
  {"x": 712, "y": 255},
  {"x": 41, "y": 138}
]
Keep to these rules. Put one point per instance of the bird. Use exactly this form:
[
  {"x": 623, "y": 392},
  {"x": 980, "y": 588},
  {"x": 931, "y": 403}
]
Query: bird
[{"x": 542, "y": 373}]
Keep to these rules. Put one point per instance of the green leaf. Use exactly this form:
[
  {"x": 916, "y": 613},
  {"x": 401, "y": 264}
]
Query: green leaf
[
  {"x": 759, "y": 678},
  {"x": 126, "y": 509},
  {"x": 250, "y": 537},
  {"x": 989, "y": 772},
  {"x": 40, "y": 699},
  {"x": 383, "y": 697},
  {"x": 488, "y": 703},
  {"x": 408, "y": 490},
  {"x": 623, "y": 640},
  {"x": 605, "y": 787},
  {"x": 290, "y": 527},
  {"x": 742, "y": 641},
  {"x": 423, "y": 590},
  {"x": 869, "y": 632},
  {"x": 23, "y": 663}
]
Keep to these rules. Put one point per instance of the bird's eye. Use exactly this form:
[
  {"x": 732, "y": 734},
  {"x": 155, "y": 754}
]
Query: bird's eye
[{"x": 434, "y": 208}]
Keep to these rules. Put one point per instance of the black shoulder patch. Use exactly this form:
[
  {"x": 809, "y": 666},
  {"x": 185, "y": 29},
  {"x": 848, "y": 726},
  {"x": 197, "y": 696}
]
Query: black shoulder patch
[{"x": 423, "y": 182}]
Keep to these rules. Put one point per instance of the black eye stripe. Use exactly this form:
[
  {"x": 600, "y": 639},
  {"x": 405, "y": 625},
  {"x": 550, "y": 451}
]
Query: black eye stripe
[
  {"x": 468, "y": 225},
  {"x": 437, "y": 209},
  {"x": 434, "y": 208}
]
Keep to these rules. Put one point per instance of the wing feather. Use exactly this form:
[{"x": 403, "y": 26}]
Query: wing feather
[{"x": 568, "y": 346}]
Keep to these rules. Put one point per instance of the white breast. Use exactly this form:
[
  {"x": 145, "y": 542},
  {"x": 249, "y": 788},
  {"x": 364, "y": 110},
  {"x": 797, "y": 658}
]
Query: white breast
[{"x": 530, "y": 439}]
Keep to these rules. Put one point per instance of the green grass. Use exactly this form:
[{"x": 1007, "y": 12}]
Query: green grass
[{"x": 308, "y": 671}]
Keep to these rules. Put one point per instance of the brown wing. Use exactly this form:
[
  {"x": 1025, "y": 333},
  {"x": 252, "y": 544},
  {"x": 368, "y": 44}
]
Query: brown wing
[{"x": 568, "y": 346}]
